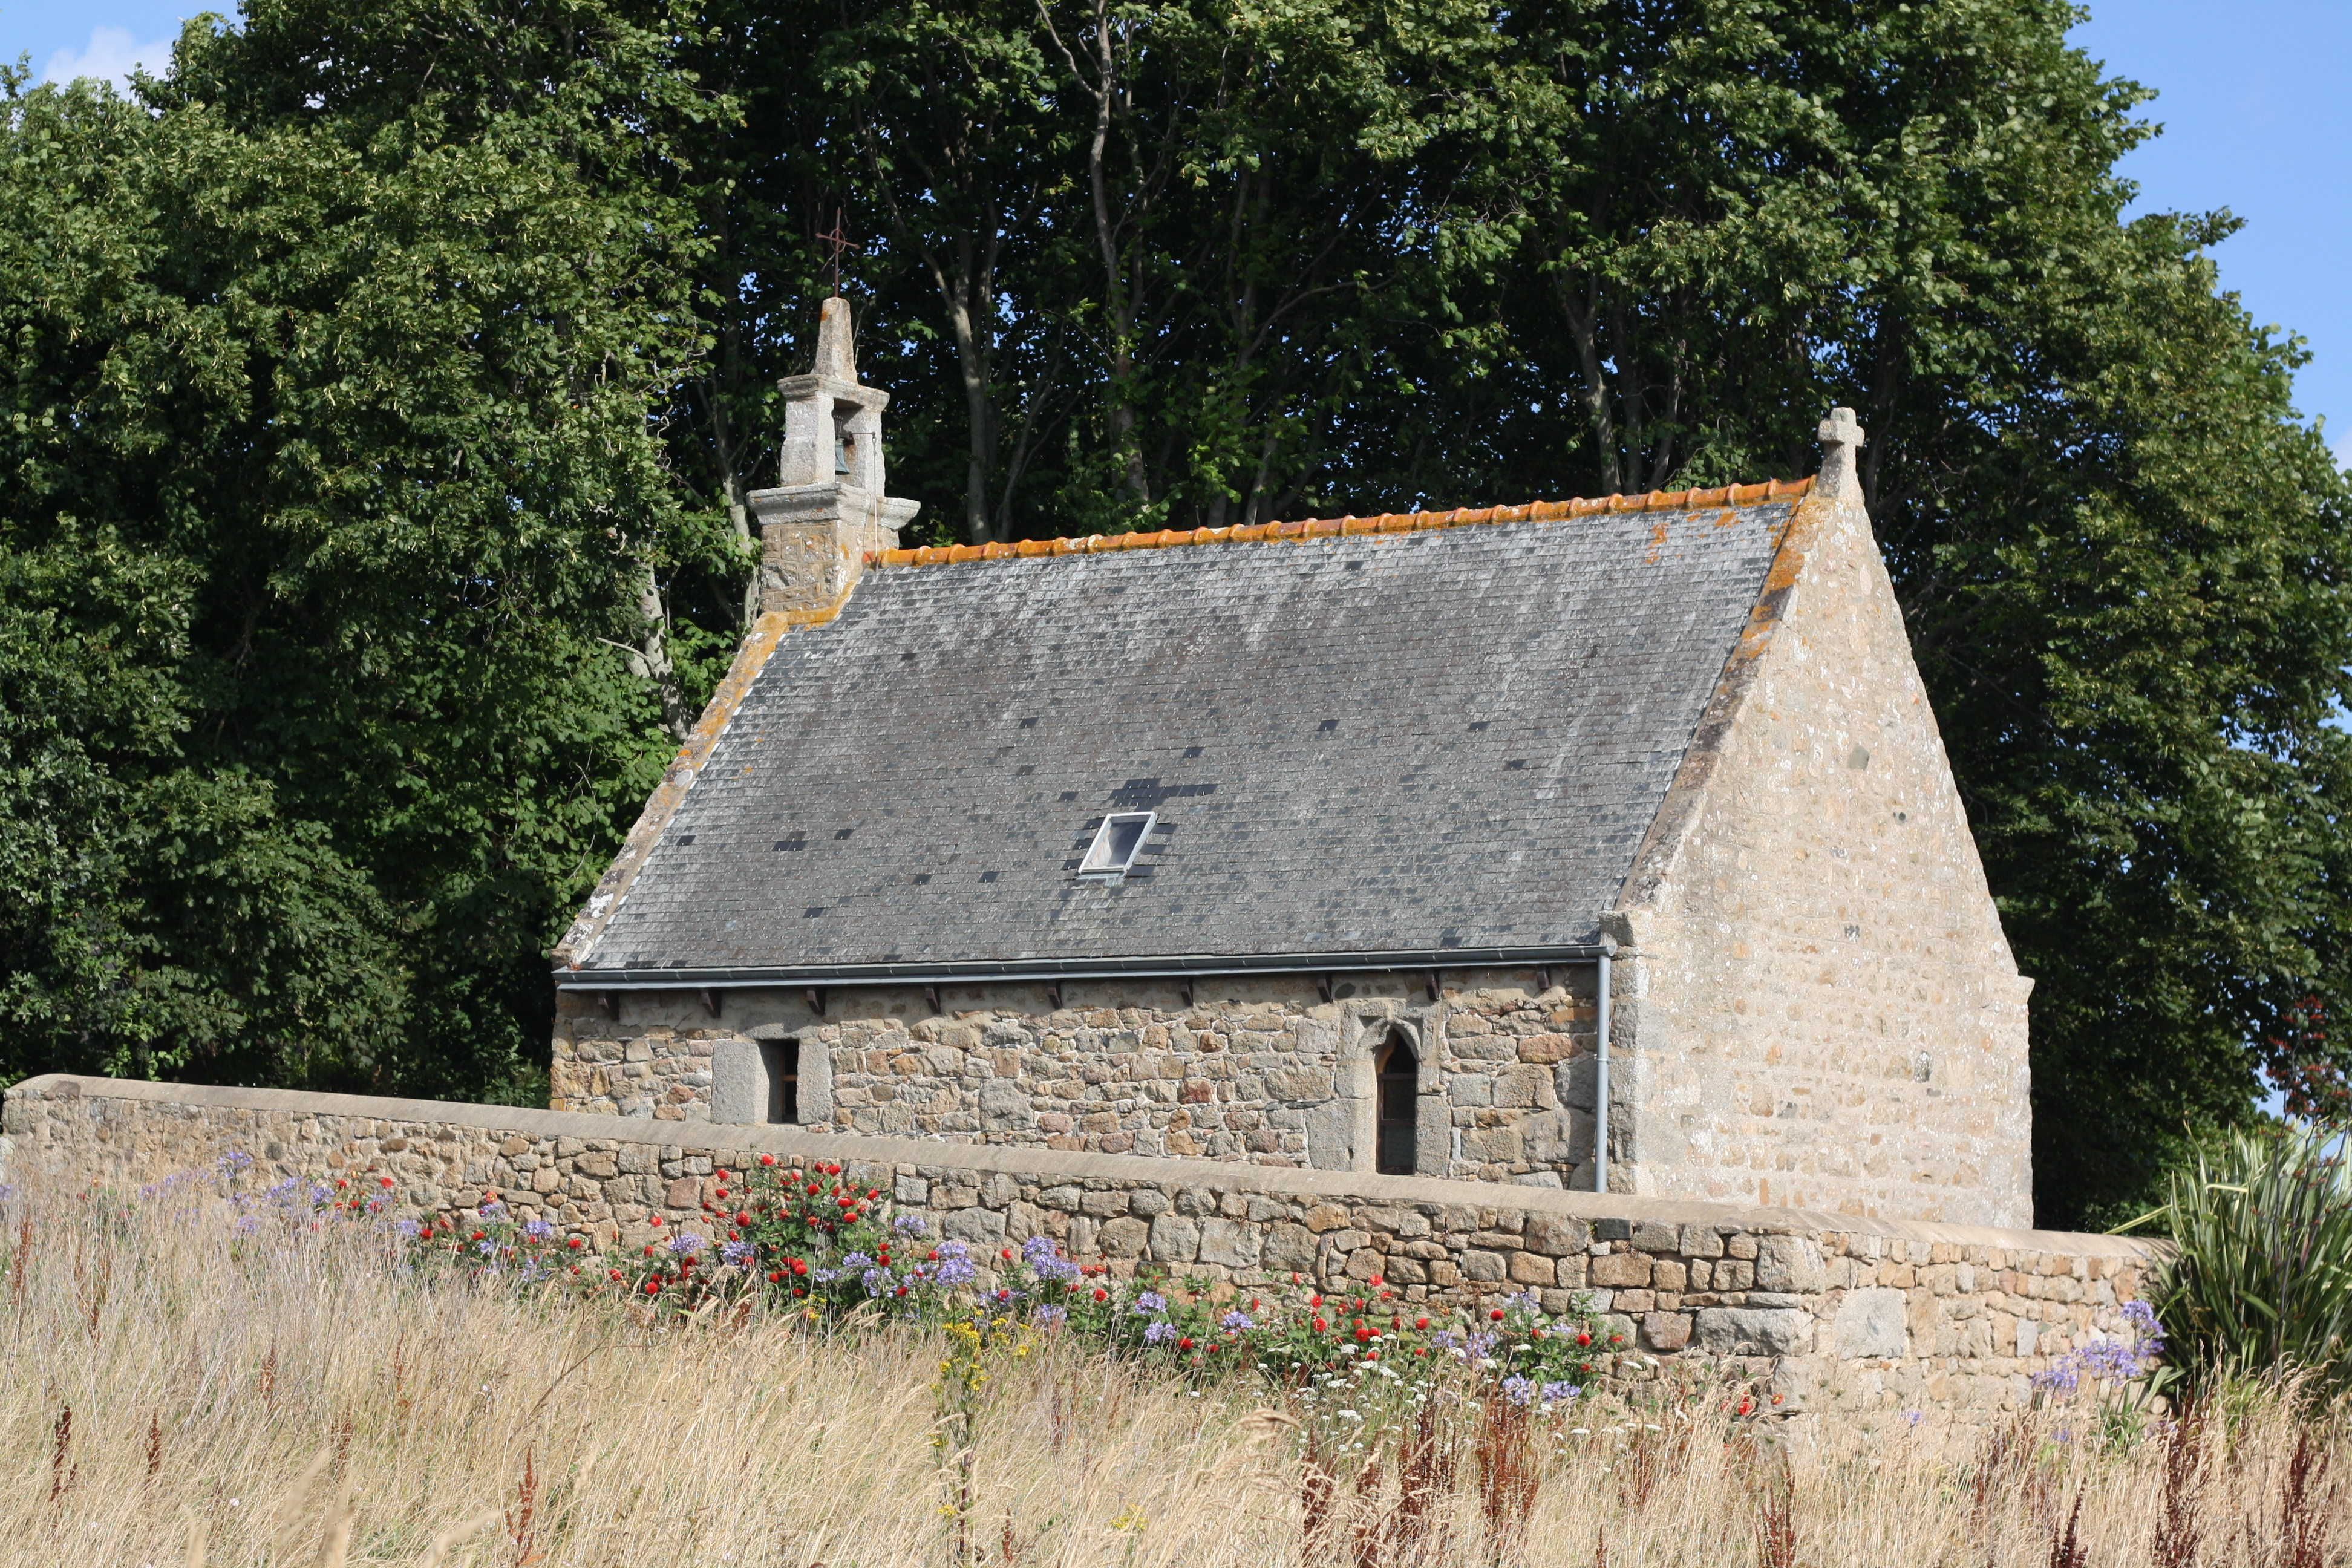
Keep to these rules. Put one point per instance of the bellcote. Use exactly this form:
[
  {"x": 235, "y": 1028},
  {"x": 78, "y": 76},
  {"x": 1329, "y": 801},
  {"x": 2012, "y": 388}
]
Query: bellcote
[{"x": 828, "y": 509}]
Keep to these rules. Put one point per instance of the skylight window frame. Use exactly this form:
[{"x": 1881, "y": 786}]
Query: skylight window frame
[{"x": 1089, "y": 870}]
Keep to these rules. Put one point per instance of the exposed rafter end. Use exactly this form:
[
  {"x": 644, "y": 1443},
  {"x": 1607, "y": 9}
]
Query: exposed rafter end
[
  {"x": 816, "y": 998},
  {"x": 931, "y": 998},
  {"x": 1053, "y": 993},
  {"x": 1431, "y": 977},
  {"x": 1184, "y": 984},
  {"x": 610, "y": 1001},
  {"x": 1323, "y": 986},
  {"x": 714, "y": 1001}
]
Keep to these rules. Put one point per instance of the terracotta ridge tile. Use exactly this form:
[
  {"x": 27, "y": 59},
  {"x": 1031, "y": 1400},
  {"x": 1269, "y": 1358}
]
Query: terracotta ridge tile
[{"x": 1351, "y": 526}]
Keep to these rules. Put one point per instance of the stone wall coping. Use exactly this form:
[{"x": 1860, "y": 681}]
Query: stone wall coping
[{"x": 1046, "y": 1165}]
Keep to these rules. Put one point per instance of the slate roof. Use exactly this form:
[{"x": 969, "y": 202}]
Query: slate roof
[{"x": 1374, "y": 739}]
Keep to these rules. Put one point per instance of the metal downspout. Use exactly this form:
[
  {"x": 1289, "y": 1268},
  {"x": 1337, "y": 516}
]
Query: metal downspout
[{"x": 1601, "y": 1085}]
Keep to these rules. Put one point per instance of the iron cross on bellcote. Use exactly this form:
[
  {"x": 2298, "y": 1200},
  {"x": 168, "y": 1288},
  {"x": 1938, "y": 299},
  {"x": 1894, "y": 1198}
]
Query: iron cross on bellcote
[{"x": 837, "y": 243}]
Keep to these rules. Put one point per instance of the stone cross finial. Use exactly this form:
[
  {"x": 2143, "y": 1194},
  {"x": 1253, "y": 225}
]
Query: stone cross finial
[{"x": 1841, "y": 439}]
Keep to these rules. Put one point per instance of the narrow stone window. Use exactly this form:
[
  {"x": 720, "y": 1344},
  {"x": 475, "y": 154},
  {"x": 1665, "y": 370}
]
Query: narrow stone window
[
  {"x": 782, "y": 1058},
  {"x": 1399, "y": 1080}
]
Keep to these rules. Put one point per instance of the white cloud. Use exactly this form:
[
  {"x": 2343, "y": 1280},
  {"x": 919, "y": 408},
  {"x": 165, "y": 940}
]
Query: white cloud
[{"x": 112, "y": 54}]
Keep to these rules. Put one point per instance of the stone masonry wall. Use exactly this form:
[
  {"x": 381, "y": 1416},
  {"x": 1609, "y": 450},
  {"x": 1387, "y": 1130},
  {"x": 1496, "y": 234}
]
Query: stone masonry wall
[
  {"x": 1258, "y": 1071},
  {"x": 1832, "y": 1310},
  {"x": 1816, "y": 1002}
]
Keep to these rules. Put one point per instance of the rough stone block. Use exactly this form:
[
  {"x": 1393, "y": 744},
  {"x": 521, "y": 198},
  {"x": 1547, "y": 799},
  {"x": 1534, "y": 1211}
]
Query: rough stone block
[
  {"x": 1869, "y": 1325},
  {"x": 1650, "y": 1236},
  {"x": 1788, "y": 1263},
  {"x": 1482, "y": 1266},
  {"x": 1233, "y": 1244},
  {"x": 1665, "y": 1332},
  {"x": 1124, "y": 1239},
  {"x": 1619, "y": 1269},
  {"x": 1558, "y": 1238},
  {"x": 1533, "y": 1269},
  {"x": 1175, "y": 1240},
  {"x": 1290, "y": 1247},
  {"x": 1747, "y": 1331},
  {"x": 983, "y": 1227}
]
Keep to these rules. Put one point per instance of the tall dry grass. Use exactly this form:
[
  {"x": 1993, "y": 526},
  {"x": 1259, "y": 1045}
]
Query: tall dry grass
[{"x": 177, "y": 1393}]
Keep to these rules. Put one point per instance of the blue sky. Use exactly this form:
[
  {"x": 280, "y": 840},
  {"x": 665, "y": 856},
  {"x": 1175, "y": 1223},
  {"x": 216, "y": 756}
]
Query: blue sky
[{"x": 2252, "y": 97}]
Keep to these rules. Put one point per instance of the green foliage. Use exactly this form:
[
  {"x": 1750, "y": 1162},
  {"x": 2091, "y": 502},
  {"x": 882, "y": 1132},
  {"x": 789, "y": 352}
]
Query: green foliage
[
  {"x": 2262, "y": 1283},
  {"x": 332, "y": 492}
]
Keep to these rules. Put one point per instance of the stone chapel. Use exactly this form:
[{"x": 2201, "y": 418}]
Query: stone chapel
[{"x": 1591, "y": 842}]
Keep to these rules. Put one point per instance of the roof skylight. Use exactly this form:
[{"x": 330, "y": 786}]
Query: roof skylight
[{"x": 1115, "y": 843}]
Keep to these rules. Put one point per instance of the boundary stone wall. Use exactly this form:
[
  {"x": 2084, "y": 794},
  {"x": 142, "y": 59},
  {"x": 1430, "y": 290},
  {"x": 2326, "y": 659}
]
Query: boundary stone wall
[{"x": 1829, "y": 1310}]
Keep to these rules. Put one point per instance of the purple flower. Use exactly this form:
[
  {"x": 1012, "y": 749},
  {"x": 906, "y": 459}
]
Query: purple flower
[
  {"x": 486, "y": 1249},
  {"x": 1560, "y": 1393},
  {"x": 538, "y": 1229},
  {"x": 234, "y": 1160},
  {"x": 1520, "y": 1390},
  {"x": 2061, "y": 1377},
  {"x": 739, "y": 1253},
  {"x": 1048, "y": 1317},
  {"x": 1525, "y": 1302},
  {"x": 1234, "y": 1321},
  {"x": 954, "y": 1266},
  {"x": 408, "y": 1227},
  {"x": 684, "y": 1244},
  {"x": 494, "y": 1209},
  {"x": 1160, "y": 1332},
  {"x": 910, "y": 1225},
  {"x": 1148, "y": 1303},
  {"x": 879, "y": 1281},
  {"x": 1040, "y": 1255}
]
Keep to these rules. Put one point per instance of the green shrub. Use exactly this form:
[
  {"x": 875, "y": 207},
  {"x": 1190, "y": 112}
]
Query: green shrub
[{"x": 2263, "y": 1279}]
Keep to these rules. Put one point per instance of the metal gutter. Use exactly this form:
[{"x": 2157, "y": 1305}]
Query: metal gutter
[{"x": 1016, "y": 971}]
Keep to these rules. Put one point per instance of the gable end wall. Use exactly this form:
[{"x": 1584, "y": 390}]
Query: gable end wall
[{"x": 1818, "y": 1008}]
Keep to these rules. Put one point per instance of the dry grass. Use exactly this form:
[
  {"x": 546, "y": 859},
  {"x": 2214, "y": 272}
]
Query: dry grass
[{"x": 174, "y": 1394}]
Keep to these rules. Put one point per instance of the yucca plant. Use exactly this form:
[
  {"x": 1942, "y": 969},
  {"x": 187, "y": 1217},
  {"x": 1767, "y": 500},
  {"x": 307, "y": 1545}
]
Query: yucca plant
[{"x": 2262, "y": 1281}]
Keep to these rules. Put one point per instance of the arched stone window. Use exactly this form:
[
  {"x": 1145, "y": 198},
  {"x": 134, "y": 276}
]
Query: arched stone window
[{"x": 1397, "y": 1086}]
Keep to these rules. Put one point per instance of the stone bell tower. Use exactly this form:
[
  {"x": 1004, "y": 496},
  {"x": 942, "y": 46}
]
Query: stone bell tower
[{"x": 828, "y": 509}]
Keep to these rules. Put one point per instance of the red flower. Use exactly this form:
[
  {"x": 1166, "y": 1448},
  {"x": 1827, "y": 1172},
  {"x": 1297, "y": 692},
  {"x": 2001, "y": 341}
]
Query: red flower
[
  {"x": 1362, "y": 1333},
  {"x": 767, "y": 1159},
  {"x": 1314, "y": 1300},
  {"x": 475, "y": 1236},
  {"x": 385, "y": 1180},
  {"x": 721, "y": 1175},
  {"x": 833, "y": 1170},
  {"x": 1422, "y": 1351},
  {"x": 1102, "y": 1295},
  {"x": 342, "y": 1184},
  {"x": 577, "y": 1244},
  {"x": 1616, "y": 1339},
  {"x": 655, "y": 1220},
  {"x": 900, "y": 1291},
  {"x": 425, "y": 1233},
  {"x": 1376, "y": 1280},
  {"x": 800, "y": 1266},
  {"x": 615, "y": 1273},
  {"x": 722, "y": 1191},
  {"x": 775, "y": 1276},
  {"x": 1371, "y": 1356},
  {"x": 1006, "y": 1255},
  {"x": 1320, "y": 1325},
  {"x": 1421, "y": 1323},
  {"x": 1184, "y": 1344},
  {"x": 1495, "y": 1316},
  {"x": 1747, "y": 1406}
]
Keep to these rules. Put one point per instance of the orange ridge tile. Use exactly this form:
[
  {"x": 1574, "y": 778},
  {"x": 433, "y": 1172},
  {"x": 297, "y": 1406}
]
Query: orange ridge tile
[{"x": 1352, "y": 526}]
